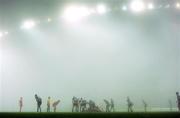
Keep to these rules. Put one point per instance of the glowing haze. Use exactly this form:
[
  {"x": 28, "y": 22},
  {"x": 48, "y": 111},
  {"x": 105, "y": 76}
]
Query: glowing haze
[{"x": 107, "y": 56}]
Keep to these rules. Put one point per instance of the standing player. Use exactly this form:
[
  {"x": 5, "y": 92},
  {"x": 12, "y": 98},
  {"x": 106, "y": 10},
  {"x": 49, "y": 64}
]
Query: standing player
[
  {"x": 145, "y": 105},
  {"x": 130, "y": 105},
  {"x": 112, "y": 105},
  {"x": 107, "y": 105},
  {"x": 48, "y": 104},
  {"x": 39, "y": 102},
  {"x": 20, "y": 104},
  {"x": 170, "y": 105},
  {"x": 178, "y": 100},
  {"x": 82, "y": 104},
  {"x": 92, "y": 106},
  {"x": 75, "y": 104}
]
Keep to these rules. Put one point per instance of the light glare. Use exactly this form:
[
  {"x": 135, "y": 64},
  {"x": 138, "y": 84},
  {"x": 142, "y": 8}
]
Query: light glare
[
  {"x": 124, "y": 8},
  {"x": 101, "y": 9},
  {"x": 75, "y": 13},
  {"x": 28, "y": 24},
  {"x": 167, "y": 6},
  {"x": 177, "y": 5},
  {"x": 137, "y": 6},
  {"x": 160, "y": 6},
  {"x": 150, "y": 6},
  {"x": 1, "y": 34},
  {"x": 49, "y": 20},
  {"x": 6, "y": 33}
]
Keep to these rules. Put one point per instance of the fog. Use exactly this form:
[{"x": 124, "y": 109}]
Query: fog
[{"x": 102, "y": 57}]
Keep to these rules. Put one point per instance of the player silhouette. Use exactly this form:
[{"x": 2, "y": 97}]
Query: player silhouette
[
  {"x": 130, "y": 105},
  {"x": 92, "y": 106},
  {"x": 39, "y": 102},
  {"x": 107, "y": 105},
  {"x": 55, "y": 105},
  {"x": 83, "y": 104},
  {"x": 145, "y": 105},
  {"x": 178, "y": 100},
  {"x": 75, "y": 104},
  {"x": 170, "y": 105},
  {"x": 20, "y": 104},
  {"x": 112, "y": 105},
  {"x": 49, "y": 104}
]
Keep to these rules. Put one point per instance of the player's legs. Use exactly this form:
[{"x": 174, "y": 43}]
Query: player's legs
[
  {"x": 73, "y": 108},
  {"x": 54, "y": 108},
  {"x": 37, "y": 108},
  {"x": 110, "y": 108},
  {"x": 80, "y": 108},
  {"x": 76, "y": 108},
  {"x": 128, "y": 109},
  {"x": 40, "y": 108},
  {"x": 113, "y": 108},
  {"x": 20, "y": 108},
  {"x": 131, "y": 110},
  {"x": 107, "y": 108},
  {"x": 48, "y": 108}
]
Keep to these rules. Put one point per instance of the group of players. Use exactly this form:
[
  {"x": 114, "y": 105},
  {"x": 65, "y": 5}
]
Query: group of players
[
  {"x": 82, "y": 105},
  {"x": 39, "y": 103}
]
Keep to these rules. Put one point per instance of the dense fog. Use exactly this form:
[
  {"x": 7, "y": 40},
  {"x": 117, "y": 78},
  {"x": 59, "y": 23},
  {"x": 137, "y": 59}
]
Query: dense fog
[{"x": 113, "y": 55}]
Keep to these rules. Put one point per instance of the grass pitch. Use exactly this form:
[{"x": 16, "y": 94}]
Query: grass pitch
[{"x": 91, "y": 115}]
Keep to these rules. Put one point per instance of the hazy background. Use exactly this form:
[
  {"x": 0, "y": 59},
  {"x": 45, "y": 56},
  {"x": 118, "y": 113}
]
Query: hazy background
[{"x": 114, "y": 55}]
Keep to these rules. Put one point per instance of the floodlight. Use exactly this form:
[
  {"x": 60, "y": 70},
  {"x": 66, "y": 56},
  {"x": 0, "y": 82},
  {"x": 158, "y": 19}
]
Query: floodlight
[
  {"x": 75, "y": 13},
  {"x": 28, "y": 24},
  {"x": 124, "y": 8},
  {"x": 1, "y": 34},
  {"x": 49, "y": 19},
  {"x": 101, "y": 9},
  {"x": 150, "y": 6},
  {"x": 137, "y": 6},
  {"x": 177, "y": 5}
]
